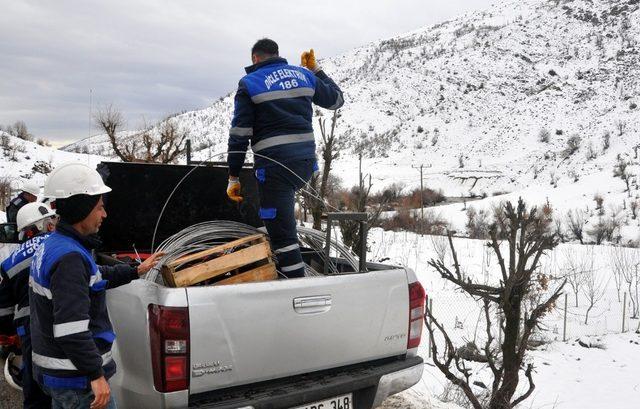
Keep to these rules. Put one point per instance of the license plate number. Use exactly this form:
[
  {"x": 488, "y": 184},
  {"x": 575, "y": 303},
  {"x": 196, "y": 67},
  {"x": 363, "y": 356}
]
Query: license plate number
[{"x": 340, "y": 402}]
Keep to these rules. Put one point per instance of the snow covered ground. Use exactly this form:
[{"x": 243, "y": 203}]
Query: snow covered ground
[
  {"x": 27, "y": 160},
  {"x": 567, "y": 376}
]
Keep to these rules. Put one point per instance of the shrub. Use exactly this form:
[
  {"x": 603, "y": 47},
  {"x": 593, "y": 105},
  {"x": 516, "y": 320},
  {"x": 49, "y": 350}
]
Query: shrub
[
  {"x": 606, "y": 140},
  {"x": 544, "y": 135},
  {"x": 409, "y": 220},
  {"x": 573, "y": 144},
  {"x": 477, "y": 224}
]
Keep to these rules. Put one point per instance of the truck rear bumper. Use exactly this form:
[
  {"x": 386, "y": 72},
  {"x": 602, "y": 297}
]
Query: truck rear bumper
[
  {"x": 370, "y": 384},
  {"x": 397, "y": 381}
]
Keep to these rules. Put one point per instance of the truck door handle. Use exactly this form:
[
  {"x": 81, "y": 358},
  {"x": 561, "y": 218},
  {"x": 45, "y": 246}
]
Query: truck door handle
[{"x": 312, "y": 305}]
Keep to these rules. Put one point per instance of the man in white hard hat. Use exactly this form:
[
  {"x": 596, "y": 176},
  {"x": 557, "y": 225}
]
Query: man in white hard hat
[
  {"x": 35, "y": 221},
  {"x": 29, "y": 194},
  {"x": 71, "y": 332}
]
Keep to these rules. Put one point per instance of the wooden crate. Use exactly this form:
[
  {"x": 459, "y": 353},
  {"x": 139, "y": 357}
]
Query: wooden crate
[{"x": 244, "y": 260}]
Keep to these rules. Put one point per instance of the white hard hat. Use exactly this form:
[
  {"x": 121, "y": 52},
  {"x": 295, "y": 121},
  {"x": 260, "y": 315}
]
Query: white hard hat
[
  {"x": 74, "y": 179},
  {"x": 12, "y": 371},
  {"x": 31, "y": 187},
  {"x": 32, "y": 214}
]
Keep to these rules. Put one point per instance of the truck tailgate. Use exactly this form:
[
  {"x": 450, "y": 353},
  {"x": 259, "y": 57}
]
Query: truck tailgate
[{"x": 248, "y": 333}]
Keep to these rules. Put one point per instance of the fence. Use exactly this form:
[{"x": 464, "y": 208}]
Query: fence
[{"x": 464, "y": 320}]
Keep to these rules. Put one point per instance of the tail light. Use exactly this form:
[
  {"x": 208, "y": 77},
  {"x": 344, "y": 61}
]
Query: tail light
[
  {"x": 416, "y": 314},
  {"x": 169, "y": 334}
]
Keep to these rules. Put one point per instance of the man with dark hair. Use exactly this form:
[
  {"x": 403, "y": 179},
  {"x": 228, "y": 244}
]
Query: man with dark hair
[
  {"x": 265, "y": 48},
  {"x": 273, "y": 112},
  {"x": 71, "y": 332}
]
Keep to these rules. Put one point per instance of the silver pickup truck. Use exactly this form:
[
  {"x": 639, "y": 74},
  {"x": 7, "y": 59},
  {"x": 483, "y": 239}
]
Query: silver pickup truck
[{"x": 330, "y": 342}]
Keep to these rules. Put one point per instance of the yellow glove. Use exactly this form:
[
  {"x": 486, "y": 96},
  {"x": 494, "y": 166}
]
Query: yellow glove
[
  {"x": 233, "y": 189},
  {"x": 308, "y": 60}
]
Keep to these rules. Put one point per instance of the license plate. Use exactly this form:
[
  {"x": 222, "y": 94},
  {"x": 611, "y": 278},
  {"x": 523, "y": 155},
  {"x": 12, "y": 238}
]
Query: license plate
[{"x": 340, "y": 402}]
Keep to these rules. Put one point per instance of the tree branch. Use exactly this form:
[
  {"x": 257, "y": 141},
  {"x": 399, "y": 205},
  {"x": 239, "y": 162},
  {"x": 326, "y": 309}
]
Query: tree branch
[
  {"x": 532, "y": 386},
  {"x": 450, "y": 355}
]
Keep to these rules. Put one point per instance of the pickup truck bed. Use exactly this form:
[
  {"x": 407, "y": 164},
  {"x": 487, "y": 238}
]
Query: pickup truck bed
[{"x": 278, "y": 344}]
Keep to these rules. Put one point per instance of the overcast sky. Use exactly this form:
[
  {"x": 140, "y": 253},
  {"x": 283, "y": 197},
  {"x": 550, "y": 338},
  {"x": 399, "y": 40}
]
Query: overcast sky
[{"x": 151, "y": 58}]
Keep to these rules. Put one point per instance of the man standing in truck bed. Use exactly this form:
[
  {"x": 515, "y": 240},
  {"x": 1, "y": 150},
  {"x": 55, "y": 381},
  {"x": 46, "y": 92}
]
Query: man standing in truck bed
[{"x": 273, "y": 111}]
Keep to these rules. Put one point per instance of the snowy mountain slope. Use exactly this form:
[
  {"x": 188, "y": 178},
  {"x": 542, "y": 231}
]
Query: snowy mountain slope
[
  {"x": 21, "y": 160},
  {"x": 469, "y": 97}
]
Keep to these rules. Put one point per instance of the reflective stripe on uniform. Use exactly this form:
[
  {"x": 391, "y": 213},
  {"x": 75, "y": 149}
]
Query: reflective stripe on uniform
[
  {"x": 289, "y": 93},
  {"x": 339, "y": 102},
  {"x": 282, "y": 140},
  {"x": 6, "y": 311},
  {"x": 18, "y": 268},
  {"x": 238, "y": 131},
  {"x": 293, "y": 267},
  {"x": 287, "y": 249},
  {"x": 22, "y": 312},
  {"x": 69, "y": 328},
  {"x": 61, "y": 363},
  {"x": 39, "y": 289},
  {"x": 97, "y": 277}
]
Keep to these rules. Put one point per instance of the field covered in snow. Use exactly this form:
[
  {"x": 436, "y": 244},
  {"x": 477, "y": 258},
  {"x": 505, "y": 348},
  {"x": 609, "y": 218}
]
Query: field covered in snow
[{"x": 567, "y": 374}]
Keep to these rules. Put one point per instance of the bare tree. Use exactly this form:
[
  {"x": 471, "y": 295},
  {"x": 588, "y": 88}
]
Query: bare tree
[
  {"x": 595, "y": 285},
  {"x": 621, "y": 126},
  {"x": 329, "y": 150},
  {"x": 573, "y": 144},
  {"x": 630, "y": 277},
  {"x": 110, "y": 121},
  {"x": 5, "y": 192},
  {"x": 606, "y": 141},
  {"x": 621, "y": 170},
  {"x": 605, "y": 229},
  {"x": 633, "y": 206},
  {"x": 618, "y": 263},
  {"x": 440, "y": 246},
  {"x": 544, "y": 135},
  {"x": 529, "y": 237},
  {"x": 20, "y": 130},
  {"x": 575, "y": 222},
  {"x": 349, "y": 228},
  {"x": 168, "y": 146},
  {"x": 143, "y": 146},
  {"x": 574, "y": 269}
]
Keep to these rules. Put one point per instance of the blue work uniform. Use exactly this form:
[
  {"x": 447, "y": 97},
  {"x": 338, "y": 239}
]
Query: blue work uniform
[
  {"x": 273, "y": 112},
  {"x": 71, "y": 332},
  {"x": 14, "y": 305},
  {"x": 14, "y": 205}
]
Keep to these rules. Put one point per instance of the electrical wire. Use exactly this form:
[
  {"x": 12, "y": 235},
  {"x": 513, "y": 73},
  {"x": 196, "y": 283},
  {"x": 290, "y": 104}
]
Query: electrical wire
[
  {"x": 206, "y": 235},
  {"x": 313, "y": 194}
]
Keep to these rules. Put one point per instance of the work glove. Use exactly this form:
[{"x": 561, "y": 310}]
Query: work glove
[
  {"x": 233, "y": 189},
  {"x": 308, "y": 60}
]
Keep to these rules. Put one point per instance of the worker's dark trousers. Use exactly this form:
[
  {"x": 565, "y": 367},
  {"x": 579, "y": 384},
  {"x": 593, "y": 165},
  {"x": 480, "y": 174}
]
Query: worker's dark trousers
[
  {"x": 34, "y": 397},
  {"x": 277, "y": 187}
]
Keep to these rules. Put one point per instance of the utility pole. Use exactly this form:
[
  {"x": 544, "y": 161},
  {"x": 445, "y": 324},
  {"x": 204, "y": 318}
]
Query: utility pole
[
  {"x": 90, "y": 109},
  {"x": 421, "y": 190}
]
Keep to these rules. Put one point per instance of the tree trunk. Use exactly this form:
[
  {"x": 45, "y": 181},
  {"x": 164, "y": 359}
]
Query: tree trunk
[
  {"x": 586, "y": 318},
  {"x": 576, "y": 293},
  {"x": 511, "y": 374},
  {"x": 316, "y": 213},
  {"x": 633, "y": 302}
]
